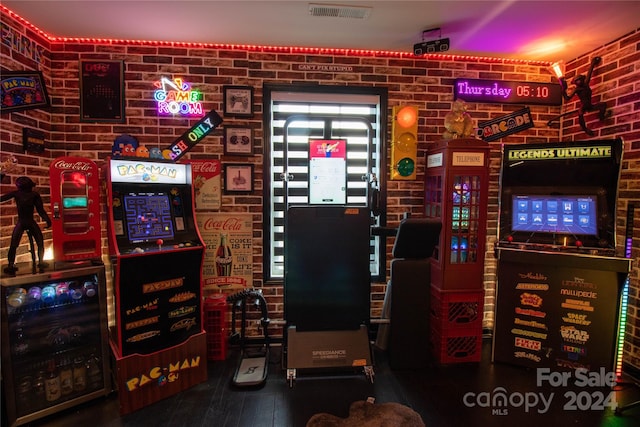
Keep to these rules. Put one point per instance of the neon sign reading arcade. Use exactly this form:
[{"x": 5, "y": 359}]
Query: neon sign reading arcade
[{"x": 177, "y": 97}]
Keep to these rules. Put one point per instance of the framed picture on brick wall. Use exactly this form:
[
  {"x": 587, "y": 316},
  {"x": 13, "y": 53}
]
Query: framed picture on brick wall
[
  {"x": 238, "y": 178},
  {"x": 238, "y": 140},
  {"x": 102, "y": 91},
  {"x": 238, "y": 101},
  {"x": 22, "y": 90}
]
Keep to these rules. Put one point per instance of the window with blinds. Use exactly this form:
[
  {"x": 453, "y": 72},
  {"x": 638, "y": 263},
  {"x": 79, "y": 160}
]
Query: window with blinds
[{"x": 293, "y": 117}]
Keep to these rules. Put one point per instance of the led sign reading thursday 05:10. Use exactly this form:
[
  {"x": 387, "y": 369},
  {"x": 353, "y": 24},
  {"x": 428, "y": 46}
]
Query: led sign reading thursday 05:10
[{"x": 507, "y": 92}]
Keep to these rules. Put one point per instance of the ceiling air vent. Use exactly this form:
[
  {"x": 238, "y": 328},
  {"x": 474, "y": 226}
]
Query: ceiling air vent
[{"x": 339, "y": 11}]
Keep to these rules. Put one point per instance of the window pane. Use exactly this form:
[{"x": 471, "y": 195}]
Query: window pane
[{"x": 289, "y": 166}]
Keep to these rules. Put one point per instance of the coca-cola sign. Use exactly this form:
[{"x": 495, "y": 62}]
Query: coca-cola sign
[
  {"x": 222, "y": 224},
  {"x": 75, "y": 164},
  {"x": 206, "y": 166},
  {"x": 228, "y": 237},
  {"x": 206, "y": 175}
]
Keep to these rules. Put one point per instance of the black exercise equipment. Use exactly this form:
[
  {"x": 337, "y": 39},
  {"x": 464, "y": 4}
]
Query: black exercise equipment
[
  {"x": 253, "y": 365},
  {"x": 327, "y": 290},
  {"x": 410, "y": 292}
]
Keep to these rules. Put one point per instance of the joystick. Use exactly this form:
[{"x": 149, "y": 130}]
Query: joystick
[{"x": 159, "y": 242}]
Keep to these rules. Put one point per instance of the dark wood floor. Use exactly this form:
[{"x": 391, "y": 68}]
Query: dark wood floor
[{"x": 437, "y": 393}]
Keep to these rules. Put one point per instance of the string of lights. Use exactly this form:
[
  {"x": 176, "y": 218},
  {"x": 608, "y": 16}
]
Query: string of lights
[{"x": 275, "y": 49}]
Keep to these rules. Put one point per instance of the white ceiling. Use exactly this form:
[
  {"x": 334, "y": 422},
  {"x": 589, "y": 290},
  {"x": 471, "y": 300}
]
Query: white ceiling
[{"x": 506, "y": 29}]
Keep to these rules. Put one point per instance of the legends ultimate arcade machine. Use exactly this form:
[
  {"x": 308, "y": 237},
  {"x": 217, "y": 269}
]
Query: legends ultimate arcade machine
[
  {"x": 559, "y": 287},
  {"x": 156, "y": 250}
]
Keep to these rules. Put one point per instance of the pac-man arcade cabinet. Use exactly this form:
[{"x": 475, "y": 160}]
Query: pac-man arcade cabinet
[{"x": 158, "y": 342}]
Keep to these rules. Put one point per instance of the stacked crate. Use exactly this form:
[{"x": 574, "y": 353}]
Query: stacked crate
[
  {"x": 456, "y": 325},
  {"x": 456, "y": 187},
  {"x": 215, "y": 315}
]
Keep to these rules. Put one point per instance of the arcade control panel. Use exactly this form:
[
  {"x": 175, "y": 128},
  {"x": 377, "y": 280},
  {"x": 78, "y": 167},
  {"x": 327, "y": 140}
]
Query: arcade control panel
[{"x": 566, "y": 247}]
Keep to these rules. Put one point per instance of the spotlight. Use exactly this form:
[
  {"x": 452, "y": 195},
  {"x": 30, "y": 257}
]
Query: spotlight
[{"x": 557, "y": 69}]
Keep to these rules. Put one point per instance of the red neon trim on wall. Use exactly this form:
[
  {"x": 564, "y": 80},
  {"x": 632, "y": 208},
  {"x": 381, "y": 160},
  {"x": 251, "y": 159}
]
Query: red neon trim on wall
[{"x": 277, "y": 49}]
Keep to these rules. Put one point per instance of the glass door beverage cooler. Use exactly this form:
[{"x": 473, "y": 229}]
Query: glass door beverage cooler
[{"x": 54, "y": 341}]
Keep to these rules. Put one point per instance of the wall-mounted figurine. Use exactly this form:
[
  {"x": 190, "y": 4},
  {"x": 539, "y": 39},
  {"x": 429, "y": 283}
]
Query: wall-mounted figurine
[
  {"x": 27, "y": 201},
  {"x": 580, "y": 87},
  {"x": 458, "y": 122}
]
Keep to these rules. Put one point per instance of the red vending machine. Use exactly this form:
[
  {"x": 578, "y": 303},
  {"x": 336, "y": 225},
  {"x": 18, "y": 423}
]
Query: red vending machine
[
  {"x": 75, "y": 208},
  {"x": 156, "y": 252}
]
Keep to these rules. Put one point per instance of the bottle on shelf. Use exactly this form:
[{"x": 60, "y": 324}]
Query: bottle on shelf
[
  {"x": 48, "y": 294},
  {"x": 90, "y": 289},
  {"x": 24, "y": 391},
  {"x": 52, "y": 383},
  {"x": 94, "y": 372},
  {"x": 62, "y": 292},
  {"x": 76, "y": 291},
  {"x": 66, "y": 377},
  {"x": 79, "y": 374},
  {"x": 17, "y": 297},
  {"x": 35, "y": 293},
  {"x": 38, "y": 386}
]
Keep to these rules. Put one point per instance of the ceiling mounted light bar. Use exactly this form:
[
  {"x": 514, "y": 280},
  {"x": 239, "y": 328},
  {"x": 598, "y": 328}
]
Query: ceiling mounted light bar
[{"x": 339, "y": 11}]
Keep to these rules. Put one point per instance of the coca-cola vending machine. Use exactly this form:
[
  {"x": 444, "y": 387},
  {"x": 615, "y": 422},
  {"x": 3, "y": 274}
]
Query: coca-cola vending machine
[
  {"x": 75, "y": 209},
  {"x": 156, "y": 253}
]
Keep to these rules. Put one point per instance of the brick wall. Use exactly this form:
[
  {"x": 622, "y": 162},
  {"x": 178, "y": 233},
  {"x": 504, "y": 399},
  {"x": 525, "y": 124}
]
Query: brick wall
[
  {"x": 616, "y": 81},
  {"x": 419, "y": 81}
]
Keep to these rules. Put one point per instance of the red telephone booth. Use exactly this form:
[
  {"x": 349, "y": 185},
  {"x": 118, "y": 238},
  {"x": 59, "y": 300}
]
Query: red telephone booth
[{"x": 75, "y": 208}]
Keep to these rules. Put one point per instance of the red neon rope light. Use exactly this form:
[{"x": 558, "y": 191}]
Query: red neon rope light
[{"x": 281, "y": 49}]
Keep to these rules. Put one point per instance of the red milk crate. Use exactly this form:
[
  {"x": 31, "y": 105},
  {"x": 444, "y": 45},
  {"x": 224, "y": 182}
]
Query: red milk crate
[
  {"x": 461, "y": 345},
  {"x": 456, "y": 309},
  {"x": 215, "y": 316}
]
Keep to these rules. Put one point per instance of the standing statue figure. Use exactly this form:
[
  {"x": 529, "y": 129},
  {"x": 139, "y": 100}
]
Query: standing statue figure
[{"x": 27, "y": 201}]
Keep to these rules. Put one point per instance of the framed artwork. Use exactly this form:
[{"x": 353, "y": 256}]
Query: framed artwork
[
  {"x": 238, "y": 178},
  {"x": 22, "y": 90},
  {"x": 238, "y": 101},
  {"x": 102, "y": 91},
  {"x": 238, "y": 140},
  {"x": 32, "y": 140}
]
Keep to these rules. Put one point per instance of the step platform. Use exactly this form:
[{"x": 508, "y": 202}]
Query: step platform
[{"x": 335, "y": 351}]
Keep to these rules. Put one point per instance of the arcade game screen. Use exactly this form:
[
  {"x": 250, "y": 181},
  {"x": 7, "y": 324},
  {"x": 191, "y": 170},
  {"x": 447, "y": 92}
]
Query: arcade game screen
[
  {"x": 148, "y": 217},
  {"x": 555, "y": 214}
]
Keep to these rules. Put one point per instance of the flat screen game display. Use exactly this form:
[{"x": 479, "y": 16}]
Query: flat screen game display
[
  {"x": 148, "y": 217},
  {"x": 560, "y": 195},
  {"x": 555, "y": 214}
]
